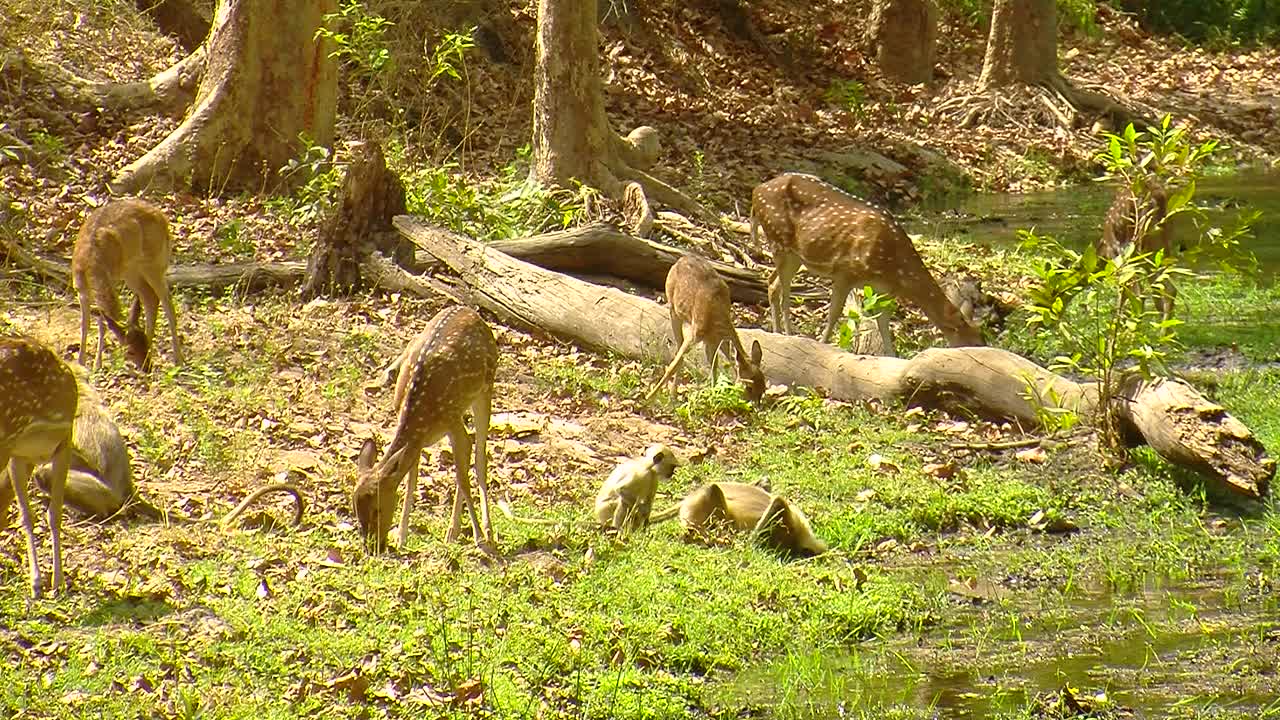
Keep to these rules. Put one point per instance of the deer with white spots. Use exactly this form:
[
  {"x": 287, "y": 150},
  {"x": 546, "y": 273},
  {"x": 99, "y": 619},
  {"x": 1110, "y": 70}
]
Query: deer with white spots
[
  {"x": 698, "y": 300},
  {"x": 444, "y": 371},
  {"x": 126, "y": 239},
  {"x": 854, "y": 243},
  {"x": 36, "y": 415},
  {"x": 1140, "y": 218}
]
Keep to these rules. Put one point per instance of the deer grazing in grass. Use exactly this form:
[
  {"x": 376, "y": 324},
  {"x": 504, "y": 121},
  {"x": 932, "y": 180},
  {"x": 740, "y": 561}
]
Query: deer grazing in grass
[
  {"x": 38, "y": 400},
  {"x": 126, "y": 239},
  {"x": 698, "y": 299},
  {"x": 809, "y": 222},
  {"x": 1140, "y": 218},
  {"x": 445, "y": 370}
]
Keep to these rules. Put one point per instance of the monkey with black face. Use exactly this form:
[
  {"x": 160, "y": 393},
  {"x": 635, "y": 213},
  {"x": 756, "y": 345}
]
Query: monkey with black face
[
  {"x": 769, "y": 518},
  {"x": 625, "y": 499}
]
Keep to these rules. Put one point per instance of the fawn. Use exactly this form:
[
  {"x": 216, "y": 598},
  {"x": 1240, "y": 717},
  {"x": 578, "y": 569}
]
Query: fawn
[
  {"x": 835, "y": 235},
  {"x": 448, "y": 368},
  {"x": 36, "y": 416},
  {"x": 126, "y": 239},
  {"x": 1140, "y": 218},
  {"x": 698, "y": 299}
]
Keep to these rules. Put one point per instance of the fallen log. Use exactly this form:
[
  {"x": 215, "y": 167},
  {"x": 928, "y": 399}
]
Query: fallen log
[
  {"x": 1172, "y": 417},
  {"x": 601, "y": 248},
  {"x": 250, "y": 276}
]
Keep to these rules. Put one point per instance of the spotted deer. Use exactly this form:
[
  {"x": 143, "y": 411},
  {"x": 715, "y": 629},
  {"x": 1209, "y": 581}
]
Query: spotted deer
[
  {"x": 809, "y": 222},
  {"x": 444, "y": 371},
  {"x": 37, "y": 410},
  {"x": 124, "y": 240},
  {"x": 698, "y": 301},
  {"x": 1140, "y": 218}
]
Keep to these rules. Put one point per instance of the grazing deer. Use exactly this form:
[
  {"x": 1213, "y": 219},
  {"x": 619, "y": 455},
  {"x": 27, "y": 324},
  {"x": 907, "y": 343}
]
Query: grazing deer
[
  {"x": 1140, "y": 218},
  {"x": 698, "y": 299},
  {"x": 444, "y": 371},
  {"x": 37, "y": 409},
  {"x": 126, "y": 239},
  {"x": 835, "y": 235}
]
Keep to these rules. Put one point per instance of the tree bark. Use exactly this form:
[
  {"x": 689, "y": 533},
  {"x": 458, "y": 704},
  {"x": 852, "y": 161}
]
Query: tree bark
[
  {"x": 371, "y": 196},
  {"x": 270, "y": 82},
  {"x": 1023, "y": 44},
  {"x": 903, "y": 35},
  {"x": 990, "y": 382},
  {"x": 572, "y": 138}
]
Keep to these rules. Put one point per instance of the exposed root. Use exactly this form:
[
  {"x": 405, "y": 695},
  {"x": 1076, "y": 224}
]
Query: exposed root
[
  {"x": 170, "y": 91},
  {"x": 1052, "y": 103}
]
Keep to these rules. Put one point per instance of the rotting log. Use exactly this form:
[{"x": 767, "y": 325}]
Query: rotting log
[
  {"x": 1172, "y": 417},
  {"x": 248, "y": 276},
  {"x": 601, "y": 248}
]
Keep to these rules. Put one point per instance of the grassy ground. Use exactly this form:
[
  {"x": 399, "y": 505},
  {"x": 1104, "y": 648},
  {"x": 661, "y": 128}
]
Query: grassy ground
[{"x": 936, "y": 571}]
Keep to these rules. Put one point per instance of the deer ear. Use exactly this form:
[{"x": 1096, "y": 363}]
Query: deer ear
[
  {"x": 368, "y": 452},
  {"x": 756, "y": 352}
]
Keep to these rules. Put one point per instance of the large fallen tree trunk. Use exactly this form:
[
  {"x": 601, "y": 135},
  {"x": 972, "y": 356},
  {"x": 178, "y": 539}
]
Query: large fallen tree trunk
[
  {"x": 984, "y": 381},
  {"x": 601, "y": 248}
]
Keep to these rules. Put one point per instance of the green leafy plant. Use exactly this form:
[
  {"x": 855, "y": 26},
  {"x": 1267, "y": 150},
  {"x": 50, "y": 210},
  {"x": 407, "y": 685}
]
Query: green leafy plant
[
  {"x": 359, "y": 38},
  {"x": 317, "y": 179},
  {"x": 849, "y": 95},
  {"x": 511, "y": 206},
  {"x": 449, "y": 56},
  {"x": 874, "y": 305},
  {"x": 708, "y": 402},
  {"x": 1092, "y": 308}
]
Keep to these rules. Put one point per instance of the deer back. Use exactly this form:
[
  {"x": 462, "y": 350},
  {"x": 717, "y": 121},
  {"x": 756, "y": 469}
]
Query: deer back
[{"x": 451, "y": 363}]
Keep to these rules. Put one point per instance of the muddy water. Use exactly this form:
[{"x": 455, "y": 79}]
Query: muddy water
[
  {"x": 1075, "y": 215},
  {"x": 1154, "y": 653}
]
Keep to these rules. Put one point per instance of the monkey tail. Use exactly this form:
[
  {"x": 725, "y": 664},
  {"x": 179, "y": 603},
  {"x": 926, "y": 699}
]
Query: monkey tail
[
  {"x": 256, "y": 495},
  {"x": 665, "y": 515}
]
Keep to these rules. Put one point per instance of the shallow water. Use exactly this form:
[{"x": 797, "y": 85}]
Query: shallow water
[
  {"x": 1149, "y": 652},
  {"x": 1074, "y": 215}
]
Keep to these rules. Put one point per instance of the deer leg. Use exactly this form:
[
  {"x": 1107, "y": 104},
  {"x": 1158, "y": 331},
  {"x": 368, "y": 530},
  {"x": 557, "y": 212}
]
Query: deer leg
[
  {"x": 840, "y": 287},
  {"x": 673, "y": 367},
  {"x": 57, "y": 487},
  {"x": 712, "y": 351},
  {"x": 161, "y": 289},
  {"x": 461, "y": 443},
  {"x": 19, "y": 474},
  {"x": 410, "y": 495},
  {"x": 6, "y": 493},
  {"x": 84, "y": 319},
  {"x": 480, "y": 411},
  {"x": 786, "y": 266}
]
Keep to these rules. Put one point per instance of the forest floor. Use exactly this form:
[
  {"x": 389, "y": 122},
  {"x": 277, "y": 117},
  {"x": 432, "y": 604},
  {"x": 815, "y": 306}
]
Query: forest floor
[{"x": 942, "y": 596}]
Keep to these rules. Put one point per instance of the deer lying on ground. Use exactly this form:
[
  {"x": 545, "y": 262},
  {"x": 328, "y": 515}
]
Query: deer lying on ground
[
  {"x": 698, "y": 300},
  {"x": 444, "y": 371},
  {"x": 1140, "y": 218},
  {"x": 38, "y": 400},
  {"x": 809, "y": 222},
  {"x": 126, "y": 239}
]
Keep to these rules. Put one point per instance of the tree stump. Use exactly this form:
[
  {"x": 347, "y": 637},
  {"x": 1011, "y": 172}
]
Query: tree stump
[{"x": 361, "y": 224}]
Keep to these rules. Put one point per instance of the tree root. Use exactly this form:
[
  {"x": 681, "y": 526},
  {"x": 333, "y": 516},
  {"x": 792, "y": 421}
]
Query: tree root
[
  {"x": 170, "y": 91},
  {"x": 1054, "y": 102}
]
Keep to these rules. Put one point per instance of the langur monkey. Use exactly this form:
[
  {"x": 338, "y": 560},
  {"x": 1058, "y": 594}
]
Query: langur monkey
[
  {"x": 100, "y": 479},
  {"x": 626, "y": 498},
  {"x": 769, "y": 518}
]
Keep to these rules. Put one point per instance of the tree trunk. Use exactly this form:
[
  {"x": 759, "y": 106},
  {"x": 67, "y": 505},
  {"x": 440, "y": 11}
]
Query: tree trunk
[
  {"x": 1023, "y": 44},
  {"x": 572, "y": 138},
  {"x": 371, "y": 196},
  {"x": 270, "y": 81},
  {"x": 902, "y": 35},
  {"x": 987, "y": 381}
]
